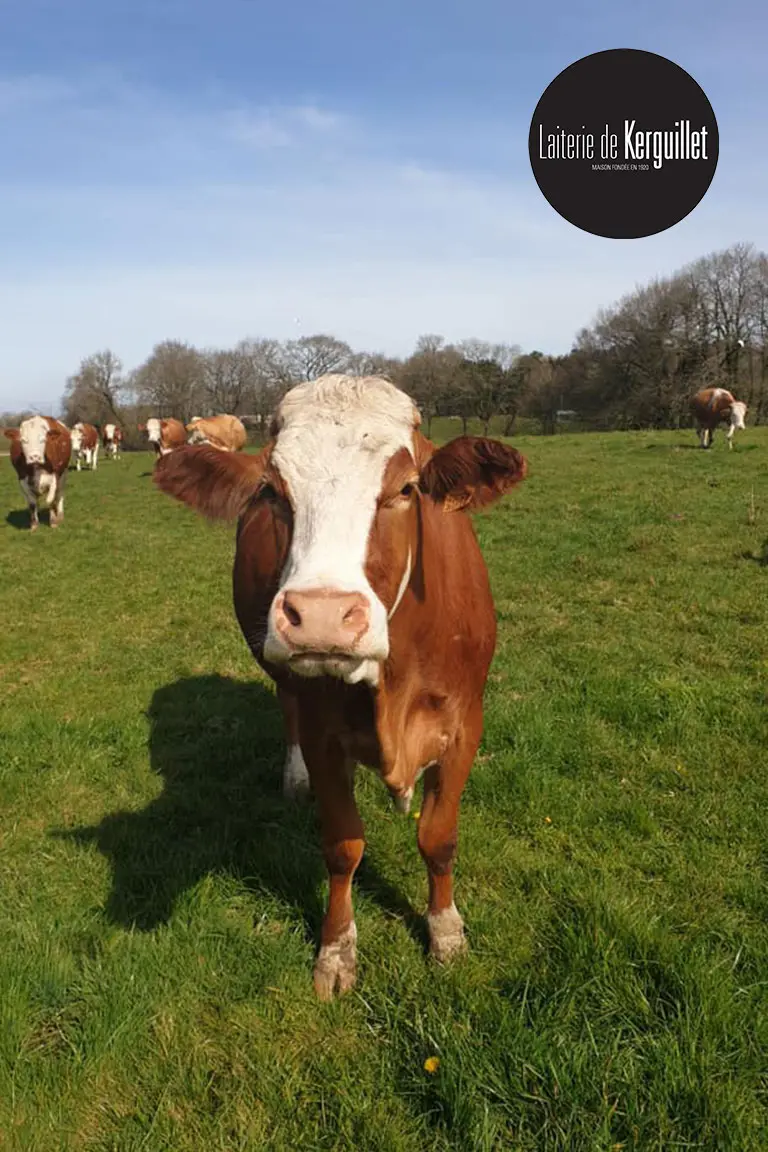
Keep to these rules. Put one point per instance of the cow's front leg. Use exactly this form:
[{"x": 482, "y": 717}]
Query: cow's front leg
[
  {"x": 295, "y": 775},
  {"x": 31, "y": 500},
  {"x": 332, "y": 778},
  {"x": 57, "y": 501},
  {"x": 438, "y": 837}
]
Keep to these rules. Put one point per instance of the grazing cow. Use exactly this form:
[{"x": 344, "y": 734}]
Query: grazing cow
[
  {"x": 40, "y": 452},
  {"x": 226, "y": 433},
  {"x": 360, "y": 588},
  {"x": 85, "y": 444},
  {"x": 164, "y": 435},
  {"x": 713, "y": 406},
  {"x": 112, "y": 438}
]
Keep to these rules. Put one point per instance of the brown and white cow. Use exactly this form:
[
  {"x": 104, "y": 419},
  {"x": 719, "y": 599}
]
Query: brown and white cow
[
  {"x": 40, "y": 451},
  {"x": 713, "y": 406},
  {"x": 360, "y": 588},
  {"x": 226, "y": 433},
  {"x": 85, "y": 444},
  {"x": 111, "y": 439},
  {"x": 164, "y": 435}
]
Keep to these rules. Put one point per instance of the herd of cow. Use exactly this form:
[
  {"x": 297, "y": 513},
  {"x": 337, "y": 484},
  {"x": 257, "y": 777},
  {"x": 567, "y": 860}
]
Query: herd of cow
[
  {"x": 360, "y": 588},
  {"x": 42, "y": 449}
]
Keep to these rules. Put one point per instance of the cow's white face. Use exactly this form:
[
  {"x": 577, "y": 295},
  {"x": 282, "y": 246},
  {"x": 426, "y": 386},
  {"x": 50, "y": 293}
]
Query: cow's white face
[
  {"x": 33, "y": 434},
  {"x": 332, "y": 447},
  {"x": 109, "y": 431},
  {"x": 154, "y": 431},
  {"x": 77, "y": 437},
  {"x": 738, "y": 413}
]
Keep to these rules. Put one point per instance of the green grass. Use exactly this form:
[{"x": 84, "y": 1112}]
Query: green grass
[{"x": 160, "y": 903}]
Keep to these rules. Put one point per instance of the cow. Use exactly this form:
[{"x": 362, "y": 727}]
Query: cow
[
  {"x": 360, "y": 588},
  {"x": 40, "y": 452},
  {"x": 164, "y": 435},
  {"x": 713, "y": 406},
  {"x": 111, "y": 439},
  {"x": 226, "y": 433},
  {"x": 85, "y": 445}
]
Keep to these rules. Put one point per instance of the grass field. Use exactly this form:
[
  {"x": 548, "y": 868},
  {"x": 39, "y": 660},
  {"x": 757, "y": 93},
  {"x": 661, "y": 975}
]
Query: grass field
[{"x": 160, "y": 902}]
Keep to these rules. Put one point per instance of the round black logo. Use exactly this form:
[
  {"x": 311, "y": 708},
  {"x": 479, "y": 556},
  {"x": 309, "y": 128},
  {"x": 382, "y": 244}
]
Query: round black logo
[{"x": 624, "y": 143}]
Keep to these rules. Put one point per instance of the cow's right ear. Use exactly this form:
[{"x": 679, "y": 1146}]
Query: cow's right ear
[
  {"x": 11, "y": 433},
  {"x": 141, "y": 427},
  {"x": 218, "y": 484}
]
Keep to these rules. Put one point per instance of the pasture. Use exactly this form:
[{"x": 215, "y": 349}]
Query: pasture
[{"x": 160, "y": 901}]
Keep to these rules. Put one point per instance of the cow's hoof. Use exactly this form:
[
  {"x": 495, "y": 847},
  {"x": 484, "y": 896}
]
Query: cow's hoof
[
  {"x": 446, "y": 934},
  {"x": 33, "y": 527},
  {"x": 336, "y": 965}
]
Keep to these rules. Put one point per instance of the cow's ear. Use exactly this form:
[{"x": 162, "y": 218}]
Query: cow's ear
[
  {"x": 471, "y": 472},
  {"x": 11, "y": 433},
  {"x": 218, "y": 484}
]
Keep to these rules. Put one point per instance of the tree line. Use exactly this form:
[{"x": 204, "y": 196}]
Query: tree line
[{"x": 635, "y": 367}]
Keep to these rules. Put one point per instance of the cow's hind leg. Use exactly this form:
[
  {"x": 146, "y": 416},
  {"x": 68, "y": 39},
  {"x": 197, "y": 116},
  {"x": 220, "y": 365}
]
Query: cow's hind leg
[
  {"x": 332, "y": 777},
  {"x": 438, "y": 837}
]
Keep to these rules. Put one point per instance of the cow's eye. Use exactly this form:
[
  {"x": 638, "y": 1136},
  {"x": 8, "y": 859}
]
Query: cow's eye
[
  {"x": 406, "y": 490},
  {"x": 267, "y": 492}
]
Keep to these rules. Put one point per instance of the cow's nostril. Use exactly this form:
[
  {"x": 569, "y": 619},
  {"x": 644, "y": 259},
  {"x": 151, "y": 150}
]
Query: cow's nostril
[
  {"x": 355, "y": 616},
  {"x": 292, "y": 615}
]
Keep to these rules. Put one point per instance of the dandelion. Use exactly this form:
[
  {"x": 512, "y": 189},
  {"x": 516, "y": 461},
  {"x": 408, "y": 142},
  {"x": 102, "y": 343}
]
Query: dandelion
[
  {"x": 547, "y": 819},
  {"x": 431, "y": 1064},
  {"x": 417, "y": 813}
]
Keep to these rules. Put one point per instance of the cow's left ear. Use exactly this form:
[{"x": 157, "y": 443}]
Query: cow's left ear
[
  {"x": 471, "y": 472},
  {"x": 11, "y": 433}
]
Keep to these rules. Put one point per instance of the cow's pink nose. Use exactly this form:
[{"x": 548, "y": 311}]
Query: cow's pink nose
[{"x": 321, "y": 619}]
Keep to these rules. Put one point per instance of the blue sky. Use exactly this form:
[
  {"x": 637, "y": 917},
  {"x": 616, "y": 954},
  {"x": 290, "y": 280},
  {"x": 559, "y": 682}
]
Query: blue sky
[{"x": 210, "y": 171}]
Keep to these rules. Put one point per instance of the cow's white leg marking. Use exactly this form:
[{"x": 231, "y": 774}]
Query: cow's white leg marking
[
  {"x": 336, "y": 964},
  {"x": 403, "y": 801},
  {"x": 446, "y": 933},
  {"x": 295, "y": 774}
]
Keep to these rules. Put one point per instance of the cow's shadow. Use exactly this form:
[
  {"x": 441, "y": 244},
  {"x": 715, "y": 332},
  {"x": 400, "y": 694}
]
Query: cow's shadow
[
  {"x": 19, "y": 518},
  {"x": 218, "y": 746},
  {"x": 760, "y": 557}
]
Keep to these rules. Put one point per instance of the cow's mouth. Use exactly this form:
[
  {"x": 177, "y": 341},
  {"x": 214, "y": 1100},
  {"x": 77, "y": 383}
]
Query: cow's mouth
[{"x": 338, "y": 665}]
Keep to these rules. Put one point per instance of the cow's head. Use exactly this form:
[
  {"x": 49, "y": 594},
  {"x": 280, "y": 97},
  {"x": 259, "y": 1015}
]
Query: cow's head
[
  {"x": 77, "y": 437},
  {"x": 154, "y": 430},
  {"x": 33, "y": 434},
  {"x": 337, "y": 493}
]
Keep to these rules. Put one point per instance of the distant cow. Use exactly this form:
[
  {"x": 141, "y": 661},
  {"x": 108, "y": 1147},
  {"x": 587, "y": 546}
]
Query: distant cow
[
  {"x": 164, "y": 435},
  {"x": 713, "y": 406},
  {"x": 111, "y": 438},
  {"x": 40, "y": 451},
  {"x": 85, "y": 445},
  {"x": 360, "y": 588},
  {"x": 226, "y": 433}
]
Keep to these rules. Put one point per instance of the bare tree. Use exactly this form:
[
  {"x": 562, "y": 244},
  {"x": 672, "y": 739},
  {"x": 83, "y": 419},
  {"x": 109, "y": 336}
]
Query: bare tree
[
  {"x": 313, "y": 356},
  {"x": 430, "y": 376},
  {"x": 93, "y": 394},
  {"x": 171, "y": 381},
  {"x": 227, "y": 378}
]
